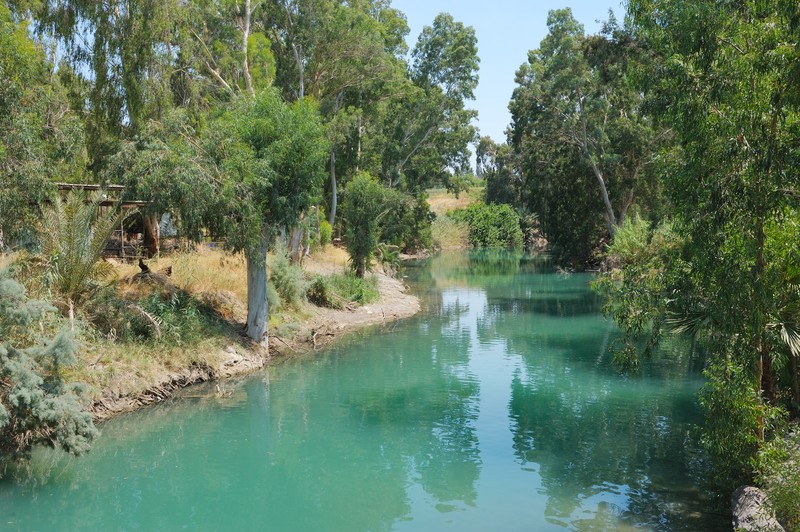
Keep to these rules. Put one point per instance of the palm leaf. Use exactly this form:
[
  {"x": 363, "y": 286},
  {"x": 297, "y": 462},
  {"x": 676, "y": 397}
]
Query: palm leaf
[{"x": 73, "y": 238}]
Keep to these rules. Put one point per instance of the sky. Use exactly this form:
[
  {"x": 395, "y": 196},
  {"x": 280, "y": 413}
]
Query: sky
[{"x": 506, "y": 30}]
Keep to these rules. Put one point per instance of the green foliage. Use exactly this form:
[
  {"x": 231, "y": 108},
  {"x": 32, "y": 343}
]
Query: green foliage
[
  {"x": 642, "y": 263},
  {"x": 730, "y": 400},
  {"x": 726, "y": 84},
  {"x": 262, "y": 62},
  {"x": 36, "y": 406},
  {"x": 492, "y": 225},
  {"x": 325, "y": 233},
  {"x": 407, "y": 223},
  {"x": 73, "y": 236},
  {"x": 287, "y": 278},
  {"x": 584, "y": 147},
  {"x": 181, "y": 319},
  {"x": 40, "y": 138},
  {"x": 778, "y": 469},
  {"x": 161, "y": 316},
  {"x": 425, "y": 129},
  {"x": 363, "y": 206},
  {"x": 339, "y": 291}
]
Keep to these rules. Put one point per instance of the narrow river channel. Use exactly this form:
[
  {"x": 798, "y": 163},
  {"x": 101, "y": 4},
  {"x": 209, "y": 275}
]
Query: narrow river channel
[{"x": 495, "y": 409}]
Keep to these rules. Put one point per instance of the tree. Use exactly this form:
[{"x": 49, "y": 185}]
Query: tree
[
  {"x": 727, "y": 83},
  {"x": 427, "y": 127},
  {"x": 496, "y": 165},
  {"x": 264, "y": 163},
  {"x": 578, "y": 127},
  {"x": 338, "y": 53},
  {"x": 40, "y": 138},
  {"x": 362, "y": 209},
  {"x": 36, "y": 406}
]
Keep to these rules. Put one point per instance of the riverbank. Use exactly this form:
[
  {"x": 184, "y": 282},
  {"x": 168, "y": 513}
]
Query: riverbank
[{"x": 122, "y": 382}]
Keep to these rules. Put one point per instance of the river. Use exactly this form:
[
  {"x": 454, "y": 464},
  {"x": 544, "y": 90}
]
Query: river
[{"x": 497, "y": 408}]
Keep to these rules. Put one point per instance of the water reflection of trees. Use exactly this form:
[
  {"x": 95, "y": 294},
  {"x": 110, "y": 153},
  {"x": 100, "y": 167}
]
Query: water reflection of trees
[
  {"x": 398, "y": 423},
  {"x": 624, "y": 443},
  {"x": 590, "y": 436}
]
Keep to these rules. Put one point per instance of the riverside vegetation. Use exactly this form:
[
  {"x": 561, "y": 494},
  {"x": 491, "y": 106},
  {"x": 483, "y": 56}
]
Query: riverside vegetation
[{"x": 662, "y": 150}]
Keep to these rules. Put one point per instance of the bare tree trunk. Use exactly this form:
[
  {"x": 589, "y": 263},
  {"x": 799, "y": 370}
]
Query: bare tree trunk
[
  {"x": 358, "y": 148},
  {"x": 152, "y": 234},
  {"x": 611, "y": 219},
  {"x": 334, "y": 194},
  {"x": 297, "y": 50},
  {"x": 257, "y": 304},
  {"x": 248, "y": 79},
  {"x": 361, "y": 268}
]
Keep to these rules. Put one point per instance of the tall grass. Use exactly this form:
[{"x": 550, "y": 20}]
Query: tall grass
[{"x": 449, "y": 233}]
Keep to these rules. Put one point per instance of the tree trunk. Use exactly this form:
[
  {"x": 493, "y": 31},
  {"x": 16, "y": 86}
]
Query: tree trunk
[
  {"x": 358, "y": 149},
  {"x": 767, "y": 378},
  {"x": 152, "y": 234},
  {"x": 245, "y": 35},
  {"x": 361, "y": 268},
  {"x": 795, "y": 384},
  {"x": 334, "y": 195},
  {"x": 611, "y": 219},
  {"x": 257, "y": 304},
  {"x": 296, "y": 245}
]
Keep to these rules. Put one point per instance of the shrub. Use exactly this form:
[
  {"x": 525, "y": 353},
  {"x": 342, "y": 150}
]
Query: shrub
[
  {"x": 73, "y": 238},
  {"x": 491, "y": 225},
  {"x": 287, "y": 279},
  {"x": 325, "y": 233},
  {"x": 778, "y": 471},
  {"x": 338, "y": 291},
  {"x": 36, "y": 405}
]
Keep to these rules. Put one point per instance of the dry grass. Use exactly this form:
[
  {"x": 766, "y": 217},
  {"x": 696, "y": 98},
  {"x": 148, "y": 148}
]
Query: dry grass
[
  {"x": 449, "y": 234},
  {"x": 330, "y": 260},
  {"x": 129, "y": 368},
  {"x": 204, "y": 270},
  {"x": 7, "y": 259},
  {"x": 442, "y": 201}
]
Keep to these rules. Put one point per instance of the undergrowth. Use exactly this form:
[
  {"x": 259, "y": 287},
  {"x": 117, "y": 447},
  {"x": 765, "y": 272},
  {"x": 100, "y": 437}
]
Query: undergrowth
[{"x": 341, "y": 290}]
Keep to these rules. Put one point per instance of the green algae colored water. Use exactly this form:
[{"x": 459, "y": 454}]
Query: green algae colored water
[{"x": 496, "y": 409}]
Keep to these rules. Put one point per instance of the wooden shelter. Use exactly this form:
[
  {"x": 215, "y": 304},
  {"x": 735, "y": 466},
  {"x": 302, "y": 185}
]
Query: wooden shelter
[{"x": 112, "y": 199}]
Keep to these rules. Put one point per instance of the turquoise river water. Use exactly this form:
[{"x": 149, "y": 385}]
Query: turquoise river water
[{"x": 495, "y": 409}]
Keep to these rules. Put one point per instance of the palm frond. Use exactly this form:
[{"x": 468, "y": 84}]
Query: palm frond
[
  {"x": 74, "y": 235},
  {"x": 690, "y": 322}
]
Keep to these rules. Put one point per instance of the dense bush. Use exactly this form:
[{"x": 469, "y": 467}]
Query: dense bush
[
  {"x": 779, "y": 473},
  {"x": 36, "y": 406},
  {"x": 491, "y": 225},
  {"x": 362, "y": 209},
  {"x": 287, "y": 279},
  {"x": 338, "y": 291},
  {"x": 165, "y": 316},
  {"x": 325, "y": 233}
]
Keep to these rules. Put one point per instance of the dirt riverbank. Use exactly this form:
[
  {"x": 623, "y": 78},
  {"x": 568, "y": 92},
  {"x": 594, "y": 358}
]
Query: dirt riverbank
[{"x": 317, "y": 328}]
